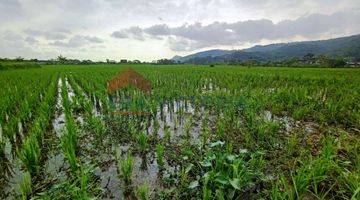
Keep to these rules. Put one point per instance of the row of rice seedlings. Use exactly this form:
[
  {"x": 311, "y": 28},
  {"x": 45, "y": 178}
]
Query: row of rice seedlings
[
  {"x": 19, "y": 121},
  {"x": 93, "y": 88},
  {"x": 69, "y": 141},
  {"x": 94, "y": 122},
  {"x": 14, "y": 89},
  {"x": 31, "y": 152},
  {"x": 80, "y": 180}
]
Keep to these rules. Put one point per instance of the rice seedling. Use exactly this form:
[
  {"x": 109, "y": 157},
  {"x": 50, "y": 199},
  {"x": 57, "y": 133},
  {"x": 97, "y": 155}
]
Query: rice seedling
[
  {"x": 84, "y": 183},
  {"x": 160, "y": 155},
  {"x": 167, "y": 135},
  {"x": 69, "y": 150},
  {"x": 30, "y": 155},
  {"x": 143, "y": 192},
  {"x": 142, "y": 141},
  {"x": 125, "y": 166},
  {"x": 25, "y": 186}
]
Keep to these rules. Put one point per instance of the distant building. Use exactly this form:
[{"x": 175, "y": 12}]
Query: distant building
[
  {"x": 353, "y": 64},
  {"x": 110, "y": 61}
]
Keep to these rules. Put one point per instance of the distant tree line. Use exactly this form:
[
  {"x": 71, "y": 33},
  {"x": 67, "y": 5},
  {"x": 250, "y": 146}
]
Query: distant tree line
[
  {"x": 62, "y": 60},
  {"x": 308, "y": 60}
]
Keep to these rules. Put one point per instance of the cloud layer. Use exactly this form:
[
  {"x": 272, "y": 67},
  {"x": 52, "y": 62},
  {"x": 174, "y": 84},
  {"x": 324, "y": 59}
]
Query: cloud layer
[
  {"x": 197, "y": 35},
  {"x": 153, "y": 29}
]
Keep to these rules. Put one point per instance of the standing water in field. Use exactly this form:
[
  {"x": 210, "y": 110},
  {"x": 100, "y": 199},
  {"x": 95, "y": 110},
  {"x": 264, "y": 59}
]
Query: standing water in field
[
  {"x": 71, "y": 92},
  {"x": 288, "y": 124},
  {"x": 20, "y": 130},
  {"x": 178, "y": 118},
  {"x": 145, "y": 170},
  {"x": 59, "y": 121},
  {"x": 55, "y": 161}
]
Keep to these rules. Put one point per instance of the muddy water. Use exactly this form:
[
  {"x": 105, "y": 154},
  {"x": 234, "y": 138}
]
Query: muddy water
[
  {"x": 97, "y": 106},
  {"x": 145, "y": 171},
  {"x": 55, "y": 162},
  {"x": 176, "y": 116},
  {"x": 288, "y": 124},
  {"x": 21, "y": 131},
  {"x": 59, "y": 120},
  {"x": 210, "y": 87},
  {"x": 55, "y": 167},
  {"x": 12, "y": 187},
  {"x": 71, "y": 92},
  {"x": 172, "y": 115}
]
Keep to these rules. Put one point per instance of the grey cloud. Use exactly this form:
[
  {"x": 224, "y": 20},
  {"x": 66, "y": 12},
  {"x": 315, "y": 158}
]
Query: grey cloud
[
  {"x": 9, "y": 10},
  {"x": 182, "y": 44},
  {"x": 13, "y": 45},
  {"x": 9, "y": 3},
  {"x": 11, "y": 36},
  {"x": 77, "y": 41},
  {"x": 193, "y": 36},
  {"x": 158, "y": 30},
  {"x": 132, "y": 32},
  {"x": 93, "y": 39},
  {"x": 31, "y": 40},
  {"x": 56, "y": 34},
  {"x": 119, "y": 34}
]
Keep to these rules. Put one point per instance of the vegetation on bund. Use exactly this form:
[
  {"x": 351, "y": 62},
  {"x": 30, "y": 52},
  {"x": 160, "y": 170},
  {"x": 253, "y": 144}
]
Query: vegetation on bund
[{"x": 220, "y": 132}]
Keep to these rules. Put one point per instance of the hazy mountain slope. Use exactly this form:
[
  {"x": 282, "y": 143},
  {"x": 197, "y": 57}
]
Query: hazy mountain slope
[
  {"x": 345, "y": 47},
  {"x": 210, "y": 53}
]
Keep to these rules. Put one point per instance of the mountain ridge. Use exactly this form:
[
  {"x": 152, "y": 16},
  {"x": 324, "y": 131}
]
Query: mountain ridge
[{"x": 336, "y": 47}]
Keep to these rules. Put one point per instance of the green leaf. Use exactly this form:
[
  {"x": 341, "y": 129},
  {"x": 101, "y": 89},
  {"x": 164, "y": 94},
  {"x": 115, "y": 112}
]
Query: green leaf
[
  {"x": 193, "y": 184},
  {"x": 235, "y": 183},
  {"x": 217, "y": 143},
  {"x": 222, "y": 180},
  {"x": 243, "y": 151},
  {"x": 188, "y": 168},
  {"x": 231, "y": 158}
]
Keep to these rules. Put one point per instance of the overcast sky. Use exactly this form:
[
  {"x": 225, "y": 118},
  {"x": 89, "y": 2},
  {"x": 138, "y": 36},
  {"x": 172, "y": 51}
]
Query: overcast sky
[{"x": 153, "y": 29}]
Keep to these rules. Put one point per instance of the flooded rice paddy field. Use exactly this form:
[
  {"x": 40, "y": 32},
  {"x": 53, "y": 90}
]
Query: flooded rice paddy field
[{"x": 200, "y": 133}]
